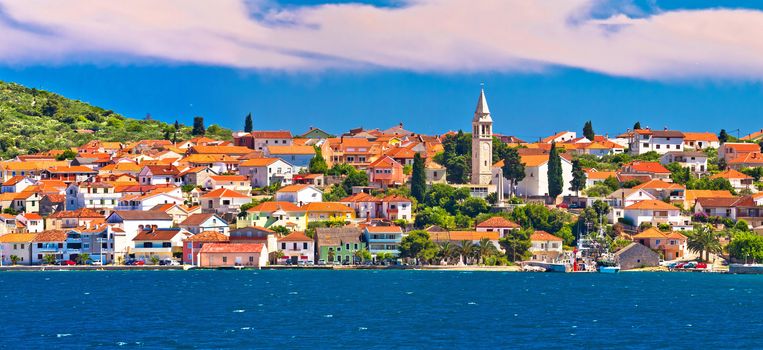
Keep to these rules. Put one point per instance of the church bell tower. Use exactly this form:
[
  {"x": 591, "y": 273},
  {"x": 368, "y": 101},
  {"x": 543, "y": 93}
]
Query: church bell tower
[{"x": 482, "y": 143}]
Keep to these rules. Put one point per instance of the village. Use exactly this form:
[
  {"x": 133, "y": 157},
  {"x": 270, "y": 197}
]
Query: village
[{"x": 647, "y": 197}]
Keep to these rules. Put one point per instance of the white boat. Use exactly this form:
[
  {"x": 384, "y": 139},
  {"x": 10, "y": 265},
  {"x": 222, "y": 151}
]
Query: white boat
[{"x": 609, "y": 269}]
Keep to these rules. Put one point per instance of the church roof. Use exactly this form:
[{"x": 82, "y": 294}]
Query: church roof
[{"x": 482, "y": 112}]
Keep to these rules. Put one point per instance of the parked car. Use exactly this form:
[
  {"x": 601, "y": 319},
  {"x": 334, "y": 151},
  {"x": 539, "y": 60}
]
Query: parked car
[
  {"x": 66, "y": 262},
  {"x": 321, "y": 262},
  {"x": 134, "y": 262},
  {"x": 168, "y": 262},
  {"x": 701, "y": 265},
  {"x": 94, "y": 262}
]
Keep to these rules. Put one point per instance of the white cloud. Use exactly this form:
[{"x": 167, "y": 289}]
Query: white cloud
[{"x": 423, "y": 35}]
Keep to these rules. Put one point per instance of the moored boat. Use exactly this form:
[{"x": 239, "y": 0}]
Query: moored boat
[{"x": 609, "y": 269}]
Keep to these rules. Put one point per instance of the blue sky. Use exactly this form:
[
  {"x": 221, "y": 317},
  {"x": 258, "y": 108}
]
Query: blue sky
[{"x": 338, "y": 89}]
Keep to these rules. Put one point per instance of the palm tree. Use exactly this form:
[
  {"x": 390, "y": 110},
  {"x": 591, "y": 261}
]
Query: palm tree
[
  {"x": 331, "y": 255},
  {"x": 15, "y": 259},
  {"x": 154, "y": 260},
  {"x": 49, "y": 259},
  {"x": 704, "y": 239},
  {"x": 83, "y": 258},
  {"x": 448, "y": 251},
  {"x": 467, "y": 250},
  {"x": 485, "y": 249}
]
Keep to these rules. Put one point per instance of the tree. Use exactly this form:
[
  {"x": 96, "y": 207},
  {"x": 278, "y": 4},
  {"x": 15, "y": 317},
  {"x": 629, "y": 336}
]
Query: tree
[
  {"x": 485, "y": 249},
  {"x": 448, "y": 252},
  {"x": 50, "y": 108},
  {"x": 362, "y": 255},
  {"x": 637, "y": 126},
  {"x": 49, "y": 259},
  {"x": 355, "y": 178},
  {"x": 15, "y": 259},
  {"x": 248, "y": 123},
  {"x": 467, "y": 250},
  {"x": 167, "y": 135},
  {"x": 154, "y": 260},
  {"x": 418, "y": 178},
  {"x": 177, "y": 126},
  {"x": 746, "y": 245},
  {"x": 336, "y": 193},
  {"x": 331, "y": 254},
  {"x": 601, "y": 208},
  {"x": 588, "y": 130},
  {"x": 704, "y": 239},
  {"x": 555, "y": 180},
  {"x": 578, "y": 182},
  {"x": 679, "y": 174},
  {"x": 456, "y": 157},
  {"x": 198, "y": 126},
  {"x": 67, "y": 154},
  {"x": 723, "y": 136},
  {"x": 474, "y": 206},
  {"x": 516, "y": 243},
  {"x": 513, "y": 169},
  {"x": 434, "y": 216},
  {"x": 318, "y": 163},
  {"x": 83, "y": 258},
  {"x": 417, "y": 245},
  {"x": 612, "y": 183}
]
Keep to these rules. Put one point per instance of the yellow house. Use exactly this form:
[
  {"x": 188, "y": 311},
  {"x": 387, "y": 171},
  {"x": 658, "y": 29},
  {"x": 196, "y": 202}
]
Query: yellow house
[
  {"x": 268, "y": 214},
  {"x": 324, "y": 211}
]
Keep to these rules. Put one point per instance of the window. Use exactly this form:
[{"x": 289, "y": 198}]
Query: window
[
  {"x": 283, "y": 245},
  {"x": 225, "y": 259},
  {"x": 251, "y": 259}
]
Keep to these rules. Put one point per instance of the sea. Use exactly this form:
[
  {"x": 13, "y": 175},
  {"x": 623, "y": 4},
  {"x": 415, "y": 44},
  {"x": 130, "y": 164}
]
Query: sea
[{"x": 298, "y": 309}]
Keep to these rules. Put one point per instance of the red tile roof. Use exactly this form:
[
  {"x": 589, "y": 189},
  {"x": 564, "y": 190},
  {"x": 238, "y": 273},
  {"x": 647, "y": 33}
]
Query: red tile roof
[
  {"x": 295, "y": 237},
  {"x": 544, "y": 236},
  {"x": 497, "y": 221}
]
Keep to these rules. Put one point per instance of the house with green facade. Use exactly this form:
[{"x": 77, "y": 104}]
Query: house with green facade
[{"x": 338, "y": 244}]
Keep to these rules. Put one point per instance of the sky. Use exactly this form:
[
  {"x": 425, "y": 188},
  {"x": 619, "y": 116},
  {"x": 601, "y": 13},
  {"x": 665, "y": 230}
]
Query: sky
[{"x": 692, "y": 65}]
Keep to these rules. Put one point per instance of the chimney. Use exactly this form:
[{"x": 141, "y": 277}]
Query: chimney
[{"x": 665, "y": 128}]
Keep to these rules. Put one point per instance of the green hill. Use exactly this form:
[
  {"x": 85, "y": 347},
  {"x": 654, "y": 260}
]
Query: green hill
[{"x": 34, "y": 120}]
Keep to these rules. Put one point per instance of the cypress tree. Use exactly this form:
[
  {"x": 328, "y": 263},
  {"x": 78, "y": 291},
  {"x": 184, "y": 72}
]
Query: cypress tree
[
  {"x": 318, "y": 163},
  {"x": 637, "y": 126},
  {"x": 723, "y": 136},
  {"x": 198, "y": 126},
  {"x": 578, "y": 177},
  {"x": 555, "y": 181},
  {"x": 418, "y": 178},
  {"x": 248, "y": 123},
  {"x": 588, "y": 130}
]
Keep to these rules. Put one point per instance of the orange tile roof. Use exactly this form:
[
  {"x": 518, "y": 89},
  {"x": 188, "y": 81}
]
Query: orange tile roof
[
  {"x": 647, "y": 167},
  {"x": 753, "y": 136},
  {"x": 755, "y": 158},
  {"x": 259, "y": 161},
  {"x": 71, "y": 169},
  {"x": 657, "y": 184},
  {"x": 209, "y": 236},
  {"x": 742, "y": 147},
  {"x": 220, "y": 150},
  {"x": 653, "y": 232},
  {"x": 294, "y": 188},
  {"x": 229, "y": 177},
  {"x": 700, "y": 136},
  {"x": 730, "y": 174},
  {"x": 291, "y": 149},
  {"x": 651, "y": 204},
  {"x": 275, "y": 206},
  {"x": 327, "y": 207},
  {"x": 463, "y": 236},
  {"x": 693, "y": 195},
  {"x": 544, "y": 236},
  {"x": 17, "y": 237},
  {"x": 295, "y": 237},
  {"x": 600, "y": 175},
  {"x": 382, "y": 229},
  {"x": 498, "y": 221},
  {"x": 223, "y": 193},
  {"x": 51, "y": 236}
]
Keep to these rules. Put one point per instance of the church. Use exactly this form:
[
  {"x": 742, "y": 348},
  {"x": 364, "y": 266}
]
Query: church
[{"x": 487, "y": 173}]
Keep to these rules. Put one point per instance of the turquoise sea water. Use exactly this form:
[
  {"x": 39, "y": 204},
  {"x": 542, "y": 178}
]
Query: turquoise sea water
[{"x": 378, "y": 309}]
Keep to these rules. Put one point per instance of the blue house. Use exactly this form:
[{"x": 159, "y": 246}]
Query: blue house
[
  {"x": 298, "y": 156},
  {"x": 383, "y": 239}
]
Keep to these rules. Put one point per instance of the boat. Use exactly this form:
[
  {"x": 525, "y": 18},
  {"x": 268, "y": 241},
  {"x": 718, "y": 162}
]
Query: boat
[{"x": 609, "y": 269}]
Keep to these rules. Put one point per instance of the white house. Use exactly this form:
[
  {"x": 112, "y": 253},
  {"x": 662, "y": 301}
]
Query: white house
[
  {"x": 198, "y": 223},
  {"x": 159, "y": 175},
  {"x": 297, "y": 248},
  {"x": 660, "y": 141},
  {"x": 535, "y": 183},
  {"x": 17, "y": 184},
  {"x": 238, "y": 183},
  {"x": 396, "y": 207},
  {"x": 655, "y": 212},
  {"x": 298, "y": 156},
  {"x": 168, "y": 195},
  {"x": 264, "y": 172},
  {"x": 162, "y": 243},
  {"x": 545, "y": 246},
  {"x": 223, "y": 201},
  {"x": 739, "y": 181},
  {"x": 299, "y": 194},
  {"x": 700, "y": 140},
  {"x": 93, "y": 195},
  {"x": 560, "y": 137},
  {"x": 134, "y": 221},
  {"x": 33, "y": 222},
  {"x": 695, "y": 161}
]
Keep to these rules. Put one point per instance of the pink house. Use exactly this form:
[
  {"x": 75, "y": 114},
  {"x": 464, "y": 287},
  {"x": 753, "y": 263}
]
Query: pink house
[{"x": 233, "y": 254}]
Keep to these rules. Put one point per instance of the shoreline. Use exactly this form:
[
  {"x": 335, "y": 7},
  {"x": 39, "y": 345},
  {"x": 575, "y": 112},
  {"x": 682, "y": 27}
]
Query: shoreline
[{"x": 513, "y": 268}]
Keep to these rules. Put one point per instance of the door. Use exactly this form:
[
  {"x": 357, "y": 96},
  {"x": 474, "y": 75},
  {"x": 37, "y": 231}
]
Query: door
[{"x": 238, "y": 261}]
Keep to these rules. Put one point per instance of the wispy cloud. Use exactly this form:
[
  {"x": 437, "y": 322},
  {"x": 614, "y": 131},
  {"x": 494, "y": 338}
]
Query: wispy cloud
[{"x": 419, "y": 35}]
